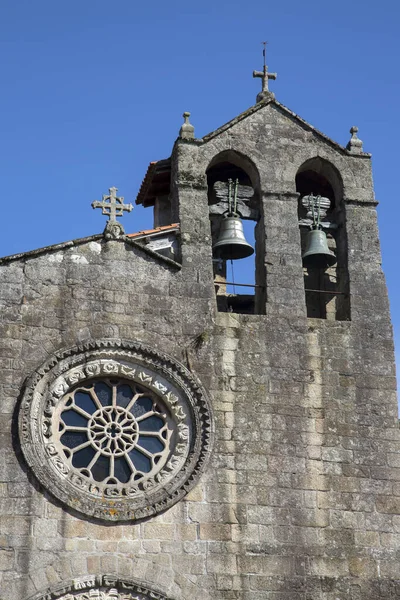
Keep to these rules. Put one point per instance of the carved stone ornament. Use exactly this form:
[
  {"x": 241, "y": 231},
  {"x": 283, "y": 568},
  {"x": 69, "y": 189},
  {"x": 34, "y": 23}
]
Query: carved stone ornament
[
  {"x": 114, "y": 429},
  {"x": 113, "y": 230},
  {"x": 100, "y": 587}
]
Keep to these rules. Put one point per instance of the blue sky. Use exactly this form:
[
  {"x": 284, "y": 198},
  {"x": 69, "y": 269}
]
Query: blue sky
[{"x": 93, "y": 90}]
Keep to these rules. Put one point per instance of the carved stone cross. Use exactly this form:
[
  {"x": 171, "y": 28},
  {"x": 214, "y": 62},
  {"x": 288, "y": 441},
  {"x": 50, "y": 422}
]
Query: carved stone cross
[
  {"x": 113, "y": 207},
  {"x": 265, "y": 76}
]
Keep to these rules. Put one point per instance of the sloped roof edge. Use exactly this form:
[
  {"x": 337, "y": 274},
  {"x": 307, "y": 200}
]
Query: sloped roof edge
[
  {"x": 154, "y": 232},
  {"x": 232, "y": 122},
  {"x": 291, "y": 114},
  {"x": 153, "y": 254},
  {"x": 52, "y": 248},
  {"x": 154, "y": 166},
  {"x": 79, "y": 242}
]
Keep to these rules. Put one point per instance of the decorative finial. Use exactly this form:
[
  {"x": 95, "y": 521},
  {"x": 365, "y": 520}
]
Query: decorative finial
[
  {"x": 265, "y": 94},
  {"x": 113, "y": 207},
  {"x": 186, "y": 132},
  {"x": 355, "y": 145}
]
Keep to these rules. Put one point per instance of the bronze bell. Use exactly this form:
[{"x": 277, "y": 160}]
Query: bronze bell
[
  {"x": 317, "y": 254},
  {"x": 231, "y": 243}
]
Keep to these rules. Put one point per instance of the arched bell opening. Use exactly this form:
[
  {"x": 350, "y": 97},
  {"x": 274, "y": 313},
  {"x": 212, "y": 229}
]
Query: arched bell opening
[
  {"x": 237, "y": 233},
  {"x": 324, "y": 254}
]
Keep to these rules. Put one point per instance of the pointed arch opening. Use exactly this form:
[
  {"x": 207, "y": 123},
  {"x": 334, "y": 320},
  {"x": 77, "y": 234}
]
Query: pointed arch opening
[
  {"x": 326, "y": 288},
  {"x": 239, "y": 284}
]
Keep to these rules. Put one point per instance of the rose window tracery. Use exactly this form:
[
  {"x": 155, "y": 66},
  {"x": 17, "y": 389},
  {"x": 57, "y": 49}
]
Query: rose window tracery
[{"x": 114, "y": 429}]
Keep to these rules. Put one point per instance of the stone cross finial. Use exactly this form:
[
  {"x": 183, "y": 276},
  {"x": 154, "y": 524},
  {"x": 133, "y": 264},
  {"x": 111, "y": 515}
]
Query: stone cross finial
[
  {"x": 113, "y": 207},
  {"x": 265, "y": 94},
  {"x": 355, "y": 145},
  {"x": 186, "y": 132}
]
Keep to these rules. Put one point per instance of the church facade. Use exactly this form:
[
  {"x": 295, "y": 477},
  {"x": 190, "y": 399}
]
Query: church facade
[{"x": 164, "y": 438}]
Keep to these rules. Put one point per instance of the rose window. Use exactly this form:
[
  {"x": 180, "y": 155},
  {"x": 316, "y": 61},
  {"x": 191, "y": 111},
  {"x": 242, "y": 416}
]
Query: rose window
[{"x": 114, "y": 431}]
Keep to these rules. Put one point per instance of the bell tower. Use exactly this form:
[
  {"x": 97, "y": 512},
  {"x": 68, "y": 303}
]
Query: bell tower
[{"x": 306, "y": 365}]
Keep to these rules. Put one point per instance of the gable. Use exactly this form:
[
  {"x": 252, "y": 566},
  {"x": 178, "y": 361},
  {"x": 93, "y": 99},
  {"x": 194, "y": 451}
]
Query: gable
[
  {"x": 70, "y": 281},
  {"x": 282, "y": 115}
]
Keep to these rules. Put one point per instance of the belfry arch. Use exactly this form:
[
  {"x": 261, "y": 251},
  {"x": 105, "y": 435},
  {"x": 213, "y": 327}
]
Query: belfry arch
[
  {"x": 227, "y": 168},
  {"x": 326, "y": 290}
]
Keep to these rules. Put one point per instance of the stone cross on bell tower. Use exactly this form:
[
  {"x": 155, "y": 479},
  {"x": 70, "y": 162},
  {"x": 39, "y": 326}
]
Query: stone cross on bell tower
[
  {"x": 113, "y": 207},
  {"x": 265, "y": 94}
]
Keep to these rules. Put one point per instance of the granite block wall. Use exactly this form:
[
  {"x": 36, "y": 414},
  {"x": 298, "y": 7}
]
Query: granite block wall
[{"x": 301, "y": 498}]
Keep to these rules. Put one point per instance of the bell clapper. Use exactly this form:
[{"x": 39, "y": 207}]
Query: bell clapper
[{"x": 233, "y": 277}]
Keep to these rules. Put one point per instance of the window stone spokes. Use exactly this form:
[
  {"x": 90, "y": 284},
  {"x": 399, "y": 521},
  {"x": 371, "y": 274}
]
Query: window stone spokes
[
  {"x": 108, "y": 427},
  {"x": 114, "y": 432}
]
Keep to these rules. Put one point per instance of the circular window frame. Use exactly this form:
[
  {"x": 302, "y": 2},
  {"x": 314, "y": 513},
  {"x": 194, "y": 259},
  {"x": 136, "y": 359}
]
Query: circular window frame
[
  {"x": 165, "y": 378},
  {"x": 101, "y": 587}
]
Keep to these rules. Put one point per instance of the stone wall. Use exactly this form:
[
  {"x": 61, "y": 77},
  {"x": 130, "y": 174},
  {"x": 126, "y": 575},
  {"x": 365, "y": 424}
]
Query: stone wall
[{"x": 301, "y": 499}]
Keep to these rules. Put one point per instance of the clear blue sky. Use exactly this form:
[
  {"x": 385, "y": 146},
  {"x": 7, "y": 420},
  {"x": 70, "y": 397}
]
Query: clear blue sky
[{"x": 93, "y": 90}]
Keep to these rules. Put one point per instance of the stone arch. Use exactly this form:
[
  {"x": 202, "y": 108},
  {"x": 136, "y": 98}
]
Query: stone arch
[
  {"x": 240, "y": 161},
  {"x": 330, "y": 298},
  {"x": 101, "y": 587},
  {"x": 232, "y": 165},
  {"x": 323, "y": 170}
]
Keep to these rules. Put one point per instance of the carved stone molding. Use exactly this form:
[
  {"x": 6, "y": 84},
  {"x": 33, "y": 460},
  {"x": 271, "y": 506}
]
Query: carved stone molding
[
  {"x": 54, "y": 411},
  {"x": 100, "y": 587}
]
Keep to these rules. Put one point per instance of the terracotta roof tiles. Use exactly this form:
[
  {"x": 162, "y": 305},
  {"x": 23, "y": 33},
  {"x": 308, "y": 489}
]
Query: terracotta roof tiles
[{"x": 163, "y": 228}]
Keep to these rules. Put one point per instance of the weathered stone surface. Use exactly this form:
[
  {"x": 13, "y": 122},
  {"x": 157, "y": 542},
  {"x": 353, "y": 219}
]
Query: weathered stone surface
[{"x": 300, "y": 500}]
